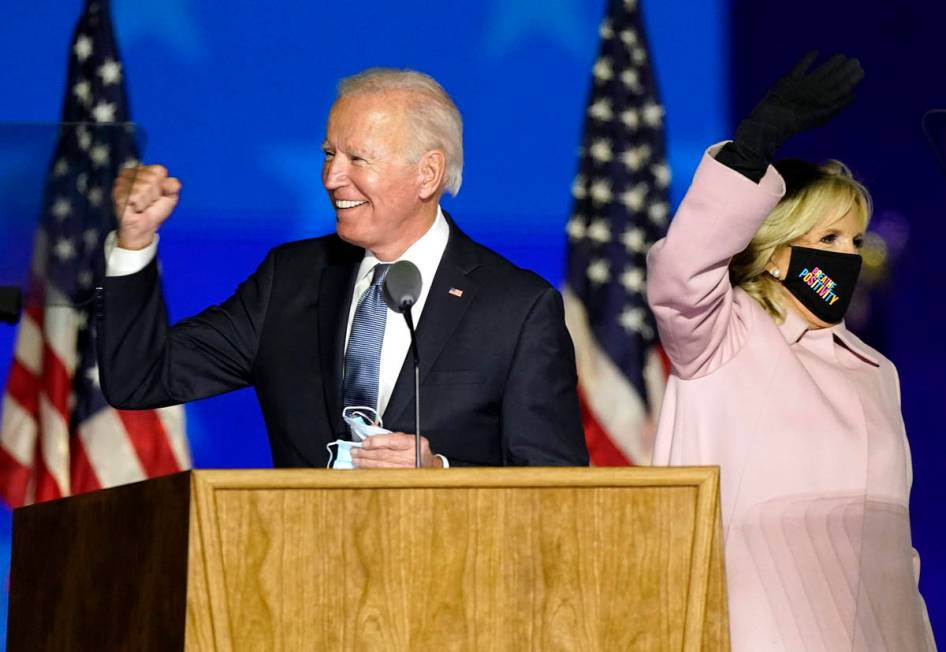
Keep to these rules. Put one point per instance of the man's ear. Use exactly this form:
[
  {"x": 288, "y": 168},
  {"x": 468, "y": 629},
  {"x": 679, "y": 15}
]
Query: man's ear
[{"x": 431, "y": 169}]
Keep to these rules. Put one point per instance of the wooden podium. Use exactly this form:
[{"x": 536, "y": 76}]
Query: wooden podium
[{"x": 465, "y": 559}]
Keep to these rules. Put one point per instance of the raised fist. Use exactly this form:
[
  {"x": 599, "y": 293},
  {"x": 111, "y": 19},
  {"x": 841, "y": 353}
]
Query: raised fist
[{"x": 143, "y": 197}]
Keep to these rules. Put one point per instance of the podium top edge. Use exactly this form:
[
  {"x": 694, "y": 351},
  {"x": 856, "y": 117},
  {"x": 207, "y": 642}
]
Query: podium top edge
[{"x": 458, "y": 477}]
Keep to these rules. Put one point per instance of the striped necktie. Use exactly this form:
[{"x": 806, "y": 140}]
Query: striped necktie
[{"x": 363, "y": 356}]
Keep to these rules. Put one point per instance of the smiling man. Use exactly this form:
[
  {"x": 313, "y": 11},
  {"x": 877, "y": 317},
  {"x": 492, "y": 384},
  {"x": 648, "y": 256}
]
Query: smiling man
[{"x": 309, "y": 331}]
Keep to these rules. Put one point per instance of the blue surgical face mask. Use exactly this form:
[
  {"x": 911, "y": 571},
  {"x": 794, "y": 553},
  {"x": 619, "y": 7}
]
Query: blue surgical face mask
[
  {"x": 341, "y": 458},
  {"x": 363, "y": 422}
]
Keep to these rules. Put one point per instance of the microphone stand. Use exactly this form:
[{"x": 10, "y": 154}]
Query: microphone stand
[{"x": 409, "y": 318}]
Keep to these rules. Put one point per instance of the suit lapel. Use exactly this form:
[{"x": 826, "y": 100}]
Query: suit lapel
[
  {"x": 335, "y": 292},
  {"x": 443, "y": 312}
]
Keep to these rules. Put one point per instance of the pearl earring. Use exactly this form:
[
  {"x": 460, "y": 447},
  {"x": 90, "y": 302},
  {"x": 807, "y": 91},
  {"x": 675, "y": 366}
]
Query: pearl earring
[{"x": 776, "y": 273}]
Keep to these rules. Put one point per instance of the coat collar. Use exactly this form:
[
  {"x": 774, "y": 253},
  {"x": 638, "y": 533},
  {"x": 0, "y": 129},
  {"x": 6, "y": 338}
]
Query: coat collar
[
  {"x": 794, "y": 328},
  {"x": 853, "y": 343}
]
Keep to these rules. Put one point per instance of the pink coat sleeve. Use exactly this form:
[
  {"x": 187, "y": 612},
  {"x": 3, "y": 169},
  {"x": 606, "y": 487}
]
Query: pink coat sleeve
[{"x": 700, "y": 318}]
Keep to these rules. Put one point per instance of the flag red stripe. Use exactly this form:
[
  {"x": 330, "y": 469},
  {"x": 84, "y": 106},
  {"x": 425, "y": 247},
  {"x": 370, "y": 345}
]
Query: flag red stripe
[
  {"x": 15, "y": 477},
  {"x": 664, "y": 359},
  {"x": 601, "y": 449},
  {"x": 23, "y": 387},
  {"x": 57, "y": 382},
  {"x": 150, "y": 441},
  {"x": 57, "y": 386},
  {"x": 82, "y": 475},
  {"x": 46, "y": 486},
  {"x": 35, "y": 312}
]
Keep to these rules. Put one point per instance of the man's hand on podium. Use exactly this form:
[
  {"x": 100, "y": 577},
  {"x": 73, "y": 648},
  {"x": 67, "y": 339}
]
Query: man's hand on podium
[{"x": 393, "y": 451}]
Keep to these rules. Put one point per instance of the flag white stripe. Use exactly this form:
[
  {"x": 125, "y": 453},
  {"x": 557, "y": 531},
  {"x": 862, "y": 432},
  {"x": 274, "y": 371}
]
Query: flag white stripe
[
  {"x": 18, "y": 432},
  {"x": 29, "y": 345},
  {"x": 54, "y": 443},
  {"x": 655, "y": 380},
  {"x": 109, "y": 449},
  {"x": 62, "y": 327}
]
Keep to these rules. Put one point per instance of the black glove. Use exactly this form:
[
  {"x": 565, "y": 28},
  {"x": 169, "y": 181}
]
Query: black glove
[{"x": 800, "y": 101}]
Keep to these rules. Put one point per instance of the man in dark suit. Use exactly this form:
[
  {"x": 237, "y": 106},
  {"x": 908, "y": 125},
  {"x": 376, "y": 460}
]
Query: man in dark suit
[{"x": 498, "y": 381}]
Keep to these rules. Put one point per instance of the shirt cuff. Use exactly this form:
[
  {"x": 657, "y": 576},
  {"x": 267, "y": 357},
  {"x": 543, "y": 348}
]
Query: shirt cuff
[
  {"x": 446, "y": 463},
  {"x": 123, "y": 262}
]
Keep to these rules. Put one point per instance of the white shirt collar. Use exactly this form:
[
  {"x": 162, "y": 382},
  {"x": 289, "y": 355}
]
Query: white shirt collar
[{"x": 425, "y": 253}]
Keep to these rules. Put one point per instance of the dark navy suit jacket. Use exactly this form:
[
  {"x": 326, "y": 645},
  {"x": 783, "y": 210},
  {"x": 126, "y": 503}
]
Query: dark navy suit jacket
[{"x": 498, "y": 380}]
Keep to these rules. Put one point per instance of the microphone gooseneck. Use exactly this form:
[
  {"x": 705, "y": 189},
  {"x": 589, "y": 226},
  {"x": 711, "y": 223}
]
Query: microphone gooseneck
[{"x": 402, "y": 286}]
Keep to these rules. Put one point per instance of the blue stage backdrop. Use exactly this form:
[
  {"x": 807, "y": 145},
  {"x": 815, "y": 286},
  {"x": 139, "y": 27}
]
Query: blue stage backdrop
[{"x": 233, "y": 97}]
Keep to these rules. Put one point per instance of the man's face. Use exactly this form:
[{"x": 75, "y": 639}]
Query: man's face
[{"x": 372, "y": 185}]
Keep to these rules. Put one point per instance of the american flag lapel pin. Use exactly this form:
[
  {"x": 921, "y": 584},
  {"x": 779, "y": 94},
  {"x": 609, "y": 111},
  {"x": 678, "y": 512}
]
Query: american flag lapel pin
[{"x": 455, "y": 292}]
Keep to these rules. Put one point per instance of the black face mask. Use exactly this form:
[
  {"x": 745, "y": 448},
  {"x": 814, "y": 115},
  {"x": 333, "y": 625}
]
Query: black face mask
[{"x": 823, "y": 281}]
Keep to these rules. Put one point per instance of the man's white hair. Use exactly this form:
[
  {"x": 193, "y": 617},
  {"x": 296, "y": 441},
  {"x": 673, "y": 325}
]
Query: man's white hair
[{"x": 434, "y": 119}]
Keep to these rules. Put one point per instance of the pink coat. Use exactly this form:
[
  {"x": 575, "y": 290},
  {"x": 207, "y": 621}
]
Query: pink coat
[{"x": 806, "y": 428}]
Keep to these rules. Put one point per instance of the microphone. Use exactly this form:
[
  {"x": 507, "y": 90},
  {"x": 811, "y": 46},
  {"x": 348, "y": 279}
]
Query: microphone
[
  {"x": 11, "y": 303},
  {"x": 402, "y": 285}
]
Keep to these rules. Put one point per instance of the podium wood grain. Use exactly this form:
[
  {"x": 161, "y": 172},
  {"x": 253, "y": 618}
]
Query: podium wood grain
[{"x": 468, "y": 559}]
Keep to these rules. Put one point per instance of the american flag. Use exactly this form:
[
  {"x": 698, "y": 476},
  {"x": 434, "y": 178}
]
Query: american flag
[
  {"x": 620, "y": 208},
  {"x": 57, "y": 435}
]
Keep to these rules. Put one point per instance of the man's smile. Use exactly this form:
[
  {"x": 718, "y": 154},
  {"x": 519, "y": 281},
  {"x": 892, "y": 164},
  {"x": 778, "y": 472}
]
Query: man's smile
[{"x": 349, "y": 203}]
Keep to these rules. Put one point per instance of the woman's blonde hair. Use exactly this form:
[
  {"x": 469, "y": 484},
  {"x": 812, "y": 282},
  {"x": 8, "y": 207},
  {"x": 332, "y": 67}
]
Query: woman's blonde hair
[{"x": 813, "y": 192}]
